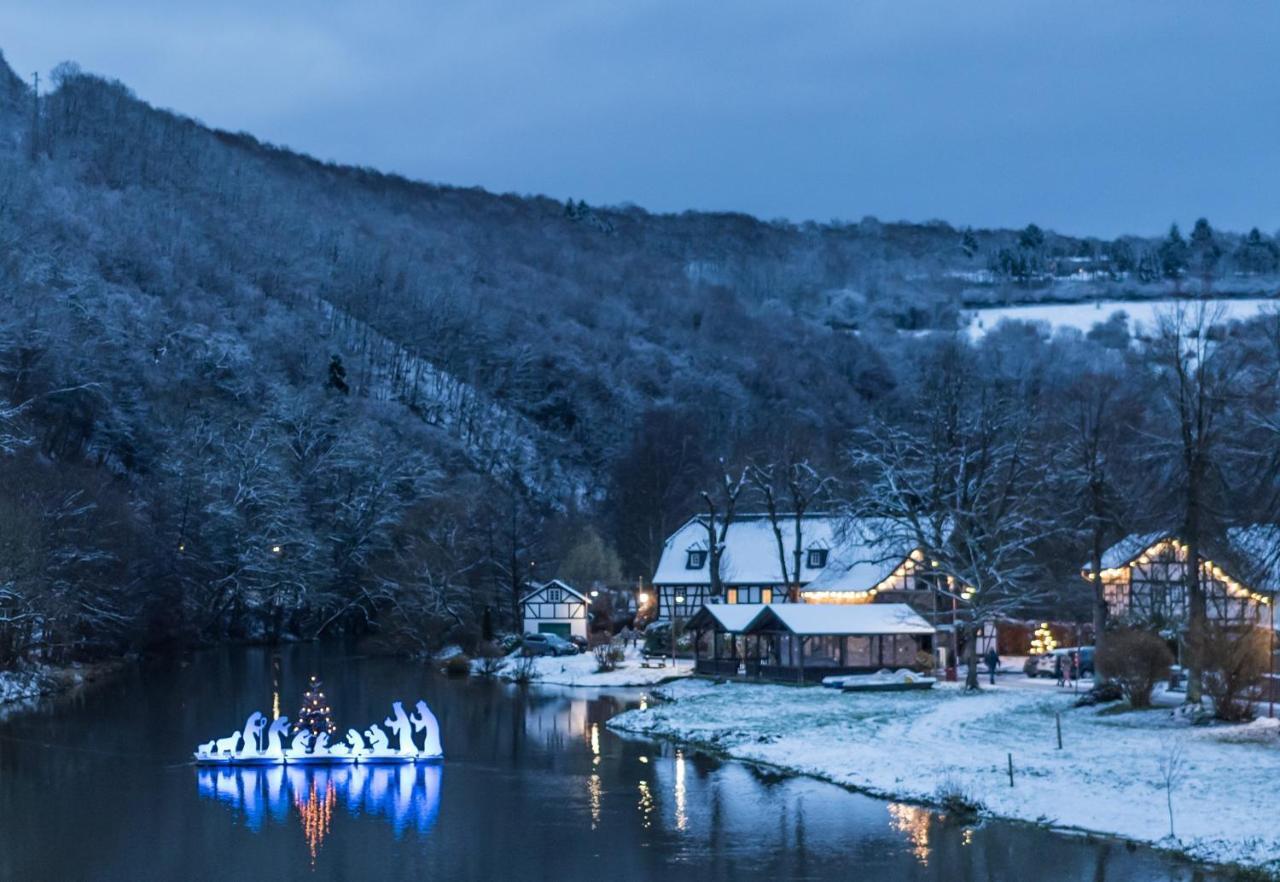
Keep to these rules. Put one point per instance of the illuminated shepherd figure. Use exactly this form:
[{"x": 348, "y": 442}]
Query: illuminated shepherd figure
[
  {"x": 400, "y": 727},
  {"x": 425, "y": 721}
]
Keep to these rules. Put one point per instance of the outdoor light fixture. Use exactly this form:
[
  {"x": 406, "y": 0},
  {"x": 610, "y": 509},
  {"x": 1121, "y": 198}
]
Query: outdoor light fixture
[
  {"x": 595, "y": 593},
  {"x": 644, "y": 597},
  {"x": 276, "y": 549}
]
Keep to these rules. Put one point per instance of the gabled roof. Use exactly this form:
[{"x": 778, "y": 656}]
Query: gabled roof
[
  {"x": 1128, "y": 549},
  {"x": 732, "y": 617},
  {"x": 534, "y": 588},
  {"x": 841, "y": 619},
  {"x": 751, "y": 550},
  {"x": 857, "y": 558},
  {"x": 1254, "y": 553},
  {"x": 862, "y": 559},
  {"x": 1249, "y": 554}
]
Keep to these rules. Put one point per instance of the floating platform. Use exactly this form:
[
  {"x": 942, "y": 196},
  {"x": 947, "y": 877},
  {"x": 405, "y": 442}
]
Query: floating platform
[{"x": 260, "y": 744}]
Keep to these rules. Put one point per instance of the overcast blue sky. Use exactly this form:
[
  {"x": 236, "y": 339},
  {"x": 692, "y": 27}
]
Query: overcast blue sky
[{"x": 1087, "y": 117}]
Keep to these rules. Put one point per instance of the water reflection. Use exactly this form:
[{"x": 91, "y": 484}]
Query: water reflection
[
  {"x": 912, "y": 821},
  {"x": 405, "y": 795}
]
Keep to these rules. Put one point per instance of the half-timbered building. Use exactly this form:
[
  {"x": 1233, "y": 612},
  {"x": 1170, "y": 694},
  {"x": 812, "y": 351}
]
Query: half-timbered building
[
  {"x": 555, "y": 607},
  {"x": 1144, "y": 577}
]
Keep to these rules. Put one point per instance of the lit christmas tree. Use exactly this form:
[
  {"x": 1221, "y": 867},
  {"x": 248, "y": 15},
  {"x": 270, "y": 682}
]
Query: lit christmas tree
[
  {"x": 315, "y": 712},
  {"x": 1042, "y": 642}
]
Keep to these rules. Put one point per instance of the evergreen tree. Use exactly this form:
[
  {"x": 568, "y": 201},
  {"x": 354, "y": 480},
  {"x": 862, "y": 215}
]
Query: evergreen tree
[
  {"x": 1173, "y": 254},
  {"x": 337, "y": 376},
  {"x": 315, "y": 714}
]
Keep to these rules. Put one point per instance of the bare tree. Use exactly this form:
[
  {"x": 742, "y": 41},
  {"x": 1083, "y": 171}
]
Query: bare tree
[
  {"x": 957, "y": 481},
  {"x": 722, "y": 507},
  {"x": 1199, "y": 382},
  {"x": 804, "y": 487}
]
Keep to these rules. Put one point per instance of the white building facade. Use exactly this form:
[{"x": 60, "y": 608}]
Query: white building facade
[{"x": 555, "y": 607}]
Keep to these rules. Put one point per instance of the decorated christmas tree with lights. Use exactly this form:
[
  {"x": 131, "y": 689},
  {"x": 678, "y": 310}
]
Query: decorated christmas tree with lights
[
  {"x": 315, "y": 714},
  {"x": 1042, "y": 642}
]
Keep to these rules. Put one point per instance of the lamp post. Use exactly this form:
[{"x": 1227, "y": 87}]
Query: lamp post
[
  {"x": 1271, "y": 662},
  {"x": 675, "y": 620}
]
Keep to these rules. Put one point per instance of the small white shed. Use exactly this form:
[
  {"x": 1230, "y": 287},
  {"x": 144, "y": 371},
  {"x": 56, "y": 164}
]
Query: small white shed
[{"x": 555, "y": 607}]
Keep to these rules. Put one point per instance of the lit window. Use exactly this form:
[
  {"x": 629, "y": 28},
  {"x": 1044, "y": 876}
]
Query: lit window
[
  {"x": 733, "y": 596},
  {"x": 696, "y": 559},
  {"x": 766, "y": 595},
  {"x": 817, "y": 558}
]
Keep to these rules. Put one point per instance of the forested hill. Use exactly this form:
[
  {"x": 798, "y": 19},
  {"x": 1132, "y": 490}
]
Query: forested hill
[{"x": 243, "y": 383}]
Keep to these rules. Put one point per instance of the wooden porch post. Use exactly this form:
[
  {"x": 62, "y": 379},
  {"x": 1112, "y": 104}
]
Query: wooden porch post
[{"x": 800, "y": 670}]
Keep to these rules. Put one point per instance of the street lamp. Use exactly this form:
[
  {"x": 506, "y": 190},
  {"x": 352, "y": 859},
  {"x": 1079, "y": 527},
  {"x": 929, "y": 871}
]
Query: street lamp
[{"x": 675, "y": 620}]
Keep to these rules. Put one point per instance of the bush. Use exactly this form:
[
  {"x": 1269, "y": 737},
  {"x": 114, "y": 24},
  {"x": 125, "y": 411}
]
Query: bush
[
  {"x": 603, "y": 653},
  {"x": 525, "y": 670},
  {"x": 952, "y": 796},
  {"x": 491, "y": 659},
  {"x": 1235, "y": 661},
  {"x": 458, "y": 666},
  {"x": 1135, "y": 661}
]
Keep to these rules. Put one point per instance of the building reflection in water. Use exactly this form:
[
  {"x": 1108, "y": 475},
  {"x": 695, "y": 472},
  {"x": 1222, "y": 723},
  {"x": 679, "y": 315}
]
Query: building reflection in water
[
  {"x": 913, "y": 822},
  {"x": 404, "y": 795}
]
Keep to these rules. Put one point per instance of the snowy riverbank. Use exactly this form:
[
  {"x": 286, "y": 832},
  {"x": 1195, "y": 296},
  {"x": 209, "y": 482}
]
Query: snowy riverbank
[
  {"x": 580, "y": 670},
  {"x": 1107, "y": 778},
  {"x": 19, "y": 687}
]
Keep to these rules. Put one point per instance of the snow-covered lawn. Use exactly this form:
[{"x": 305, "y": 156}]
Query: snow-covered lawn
[
  {"x": 1084, "y": 316},
  {"x": 580, "y": 670},
  {"x": 1106, "y": 779}
]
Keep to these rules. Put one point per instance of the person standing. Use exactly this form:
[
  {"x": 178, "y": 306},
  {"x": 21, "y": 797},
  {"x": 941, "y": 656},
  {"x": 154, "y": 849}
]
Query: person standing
[
  {"x": 1059, "y": 670},
  {"x": 992, "y": 658}
]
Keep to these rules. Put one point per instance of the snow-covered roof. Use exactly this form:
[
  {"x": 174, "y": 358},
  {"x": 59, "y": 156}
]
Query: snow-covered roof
[
  {"x": 728, "y": 616},
  {"x": 842, "y": 619},
  {"x": 1127, "y": 549},
  {"x": 535, "y": 588},
  {"x": 751, "y": 553},
  {"x": 1255, "y": 556},
  {"x": 862, "y": 559},
  {"x": 1251, "y": 554}
]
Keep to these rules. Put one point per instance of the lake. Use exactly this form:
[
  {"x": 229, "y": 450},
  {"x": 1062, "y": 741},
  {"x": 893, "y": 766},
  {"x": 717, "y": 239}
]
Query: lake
[{"x": 534, "y": 786}]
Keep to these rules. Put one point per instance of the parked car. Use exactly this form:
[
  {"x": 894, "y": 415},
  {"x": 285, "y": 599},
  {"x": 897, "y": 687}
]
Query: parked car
[
  {"x": 1042, "y": 665},
  {"x": 547, "y": 644},
  {"x": 581, "y": 642}
]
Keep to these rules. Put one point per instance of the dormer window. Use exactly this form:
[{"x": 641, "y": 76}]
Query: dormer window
[
  {"x": 817, "y": 558},
  {"x": 554, "y": 594},
  {"x": 695, "y": 560}
]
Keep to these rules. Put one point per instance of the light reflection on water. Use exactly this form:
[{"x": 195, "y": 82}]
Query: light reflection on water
[{"x": 404, "y": 795}]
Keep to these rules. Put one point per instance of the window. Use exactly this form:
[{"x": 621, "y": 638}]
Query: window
[
  {"x": 696, "y": 559},
  {"x": 732, "y": 596},
  {"x": 817, "y": 558},
  {"x": 553, "y": 594},
  {"x": 766, "y": 595}
]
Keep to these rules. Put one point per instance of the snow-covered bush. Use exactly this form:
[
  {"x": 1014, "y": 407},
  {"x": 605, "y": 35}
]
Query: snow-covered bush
[
  {"x": 1135, "y": 661},
  {"x": 605, "y": 660}
]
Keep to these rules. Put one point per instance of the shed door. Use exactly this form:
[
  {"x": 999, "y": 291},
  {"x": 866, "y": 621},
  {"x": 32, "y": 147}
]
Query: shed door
[{"x": 560, "y": 629}]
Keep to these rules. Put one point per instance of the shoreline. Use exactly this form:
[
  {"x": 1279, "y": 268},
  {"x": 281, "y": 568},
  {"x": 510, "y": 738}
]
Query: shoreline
[
  {"x": 23, "y": 689},
  {"x": 690, "y": 716}
]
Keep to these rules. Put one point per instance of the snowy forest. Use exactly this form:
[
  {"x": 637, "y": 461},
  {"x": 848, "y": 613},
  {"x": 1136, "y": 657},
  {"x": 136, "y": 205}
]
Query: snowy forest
[{"x": 245, "y": 394}]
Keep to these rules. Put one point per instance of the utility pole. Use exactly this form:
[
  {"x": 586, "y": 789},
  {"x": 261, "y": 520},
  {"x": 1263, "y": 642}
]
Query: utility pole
[{"x": 35, "y": 114}]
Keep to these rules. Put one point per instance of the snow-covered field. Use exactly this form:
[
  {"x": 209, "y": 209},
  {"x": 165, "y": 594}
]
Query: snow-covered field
[
  {"x": 1107, "y": 778},
  {"x": 1084, "y": 316},
  {"x": 580, "y": 670}
]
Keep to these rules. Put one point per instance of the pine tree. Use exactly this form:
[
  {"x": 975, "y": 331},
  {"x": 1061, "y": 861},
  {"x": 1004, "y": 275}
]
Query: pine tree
[
  {"x": 337, "y": 375},
  {"x": 315, "y": 714}
]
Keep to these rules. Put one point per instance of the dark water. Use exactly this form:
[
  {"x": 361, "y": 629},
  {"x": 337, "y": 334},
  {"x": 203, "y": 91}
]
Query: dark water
[{"x": 533, "y": 787}]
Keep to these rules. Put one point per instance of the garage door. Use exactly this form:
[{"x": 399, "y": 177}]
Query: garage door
[{"x": 560, "y": 629}]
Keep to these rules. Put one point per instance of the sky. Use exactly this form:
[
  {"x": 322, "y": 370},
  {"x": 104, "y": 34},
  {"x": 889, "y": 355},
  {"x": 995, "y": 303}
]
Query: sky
[{"x": 1085, "y": 117}]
